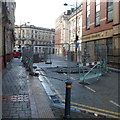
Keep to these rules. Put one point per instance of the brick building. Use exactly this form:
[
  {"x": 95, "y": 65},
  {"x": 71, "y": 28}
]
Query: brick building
[
  {"x": 101, "y": 25},
  {"x": 66, "y": 29}
]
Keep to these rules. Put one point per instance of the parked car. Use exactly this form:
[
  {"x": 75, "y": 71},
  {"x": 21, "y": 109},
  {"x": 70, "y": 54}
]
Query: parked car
[{"x": 16, "y": 54}]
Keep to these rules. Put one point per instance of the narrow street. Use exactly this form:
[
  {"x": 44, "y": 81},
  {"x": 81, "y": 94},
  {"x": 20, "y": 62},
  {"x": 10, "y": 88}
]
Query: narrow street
[
  {"x": 60, "y": 59},
  {"x": 100, "y": 96}
]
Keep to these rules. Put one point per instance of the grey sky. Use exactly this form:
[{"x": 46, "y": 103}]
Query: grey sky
[{"x": 42, "y": 13}]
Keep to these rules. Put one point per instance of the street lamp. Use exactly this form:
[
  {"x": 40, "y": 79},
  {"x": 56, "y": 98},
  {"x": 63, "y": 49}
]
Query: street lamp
[{"x": 76, "y": 36}]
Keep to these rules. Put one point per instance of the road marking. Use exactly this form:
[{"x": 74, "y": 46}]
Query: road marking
[
  {"x": 70, "y": 77},
  {"x": 114, "y": 103},
  {"x": 95, "y": 108},
  {"x": 90, "y": 89},
  {"x": 95, "y": 112},
  {"x": 91, "y": 109}
]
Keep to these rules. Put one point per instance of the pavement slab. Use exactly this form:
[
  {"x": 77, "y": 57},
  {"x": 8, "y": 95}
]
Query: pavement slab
[{"x": 15, "y": 95}]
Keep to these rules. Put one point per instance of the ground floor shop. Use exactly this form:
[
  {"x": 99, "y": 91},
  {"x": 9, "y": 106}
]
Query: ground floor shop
[{"x": 107, "y": 39}]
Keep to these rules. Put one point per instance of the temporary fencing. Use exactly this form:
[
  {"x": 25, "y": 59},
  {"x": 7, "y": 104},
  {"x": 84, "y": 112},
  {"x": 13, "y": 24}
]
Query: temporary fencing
[
  {"x": 92, "y": 61},
  {"x": 27, "y": 58},
  {"x": 89, "y": 58}
]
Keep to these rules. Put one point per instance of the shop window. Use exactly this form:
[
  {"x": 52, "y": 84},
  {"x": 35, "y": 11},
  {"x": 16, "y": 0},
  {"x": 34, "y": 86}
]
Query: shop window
[
  {"x": 96, "y": 49},
  {"x": 109, "y": 46}
]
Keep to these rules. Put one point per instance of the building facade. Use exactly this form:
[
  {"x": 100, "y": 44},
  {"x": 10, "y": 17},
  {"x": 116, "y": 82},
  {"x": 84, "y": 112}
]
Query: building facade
[
  {"x": 67, "y": 25},
  {"x": 101, "y": 25},
  {"x": 40, "y": 38},
  {"x": 61, "y": 36},
  {"x": 7, "y": 19}
]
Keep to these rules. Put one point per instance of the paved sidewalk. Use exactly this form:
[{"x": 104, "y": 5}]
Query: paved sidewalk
[{"x": 19, "y": 94}]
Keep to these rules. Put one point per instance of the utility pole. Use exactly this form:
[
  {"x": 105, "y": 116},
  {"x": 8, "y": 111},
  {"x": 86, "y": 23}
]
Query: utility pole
[{"x": 76, "y": 38}]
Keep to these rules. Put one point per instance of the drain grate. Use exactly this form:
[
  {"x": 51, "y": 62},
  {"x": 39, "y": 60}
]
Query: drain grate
[
  {"x": 15, "y": 98},
  {"x": 55, "y": 99}
]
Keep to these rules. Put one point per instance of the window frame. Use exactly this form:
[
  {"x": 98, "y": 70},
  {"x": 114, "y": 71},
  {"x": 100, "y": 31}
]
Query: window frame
[
  {"x": 109, "y": 44},
  {"x": 87, "y": 15},
  {"x": 108, "y": 11},
  {"x": 97, "y": 16}
]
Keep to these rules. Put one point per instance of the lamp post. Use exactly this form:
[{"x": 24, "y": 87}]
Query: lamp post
[{"x": 76, "y": 36}]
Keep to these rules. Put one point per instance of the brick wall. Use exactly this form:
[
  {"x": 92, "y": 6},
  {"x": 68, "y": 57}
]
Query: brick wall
[{"x": 104, "y": 25}]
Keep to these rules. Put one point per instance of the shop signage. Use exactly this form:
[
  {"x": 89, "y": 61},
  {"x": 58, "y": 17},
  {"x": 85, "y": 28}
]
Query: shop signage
[
  {"x": 116, "y": 29},
  {"x": 99, "y": 35}
]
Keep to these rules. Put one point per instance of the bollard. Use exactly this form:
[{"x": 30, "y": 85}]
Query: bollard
[{"x": 67, "y": 100}]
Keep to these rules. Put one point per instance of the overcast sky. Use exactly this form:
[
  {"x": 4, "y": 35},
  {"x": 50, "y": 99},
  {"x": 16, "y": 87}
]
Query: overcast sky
[{"x": 41, "y": 13}]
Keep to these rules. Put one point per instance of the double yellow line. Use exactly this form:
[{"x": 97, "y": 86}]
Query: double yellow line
[
  {"x": 94, "y": 110},
  {"x": 90, "y": 109}
]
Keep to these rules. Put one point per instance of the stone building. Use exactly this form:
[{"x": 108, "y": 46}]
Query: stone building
[
  {"x": 40, "y": 38},
  {"x": 7, "y": 19}
]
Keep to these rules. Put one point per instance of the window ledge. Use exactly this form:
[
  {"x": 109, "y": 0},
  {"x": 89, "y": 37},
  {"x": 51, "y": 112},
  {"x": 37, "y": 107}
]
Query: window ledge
[{"x": 109, "y": 21}]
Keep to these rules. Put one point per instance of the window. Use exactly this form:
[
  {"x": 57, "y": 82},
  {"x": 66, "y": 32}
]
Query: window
[
  {"x": 96, "y": 49},
  {"x": 109, "y": 10},
  {"x": 97, "y": 13},
  {"x": 39, "y": 49},
  {"x": 36, "y": 49},
  {"x": 32, "y": 42},
  {"x": 88, "y": 14},
  {"x": 23, "y": 36},
  {"x": 109, "y": 46},
  {"x": 22, "y": 41}
]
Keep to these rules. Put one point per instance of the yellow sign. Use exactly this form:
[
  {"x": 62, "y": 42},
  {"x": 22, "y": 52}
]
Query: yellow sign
[
  {"x": 116, "y": 29},
  {"x": 99, "y": 35}
]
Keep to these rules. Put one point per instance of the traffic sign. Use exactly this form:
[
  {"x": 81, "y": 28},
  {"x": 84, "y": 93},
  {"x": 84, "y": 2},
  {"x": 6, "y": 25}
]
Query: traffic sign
[{"x": 77, "y": 45}]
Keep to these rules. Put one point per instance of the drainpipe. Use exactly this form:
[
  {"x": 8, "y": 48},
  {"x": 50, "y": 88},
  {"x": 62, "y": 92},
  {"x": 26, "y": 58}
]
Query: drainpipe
[{"x": 4, "y": 48}]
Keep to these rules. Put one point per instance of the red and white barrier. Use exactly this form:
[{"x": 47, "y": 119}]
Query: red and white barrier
[{"x": 88, "y": 64}]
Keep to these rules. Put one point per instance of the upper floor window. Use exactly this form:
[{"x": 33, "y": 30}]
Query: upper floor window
[
  {"x": 97, "y": 12},
  {"x": 88, "y": 14},
  {"x": 109, "y": 10}
]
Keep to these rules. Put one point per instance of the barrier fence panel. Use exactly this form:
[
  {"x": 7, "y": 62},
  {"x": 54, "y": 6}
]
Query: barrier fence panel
[
  {"x": 27, "y": 58},
  {"x": 92, "y": 61}
]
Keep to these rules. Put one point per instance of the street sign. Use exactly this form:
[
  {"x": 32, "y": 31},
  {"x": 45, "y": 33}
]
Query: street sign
[{"x": 77, "y": 45}]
